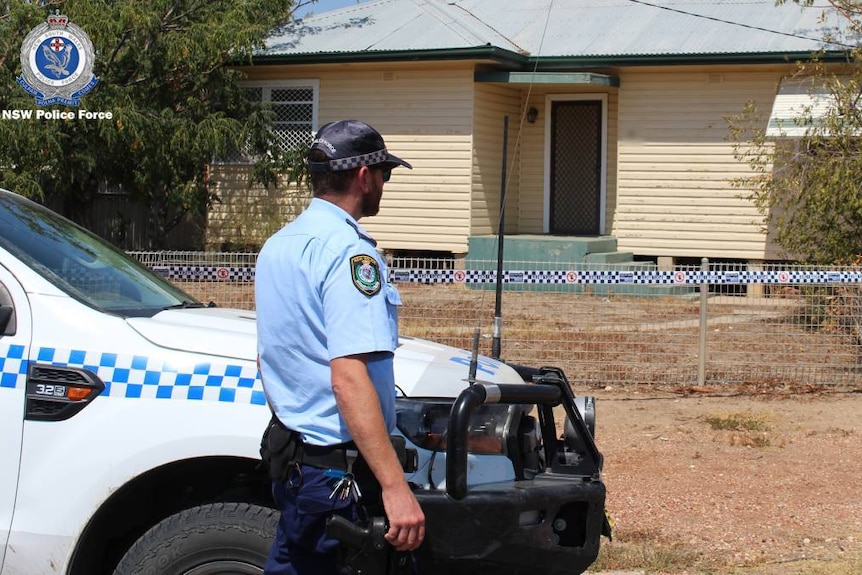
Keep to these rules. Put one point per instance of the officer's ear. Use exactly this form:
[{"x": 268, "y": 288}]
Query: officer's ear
[{"x": 366, "y": 178}]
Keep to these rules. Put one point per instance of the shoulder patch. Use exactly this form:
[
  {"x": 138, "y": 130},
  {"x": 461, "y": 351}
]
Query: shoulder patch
[{"x": 365, "y": 273}]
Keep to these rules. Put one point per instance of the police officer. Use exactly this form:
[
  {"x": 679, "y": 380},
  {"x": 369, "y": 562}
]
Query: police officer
[{"x": 327, "y": 330}]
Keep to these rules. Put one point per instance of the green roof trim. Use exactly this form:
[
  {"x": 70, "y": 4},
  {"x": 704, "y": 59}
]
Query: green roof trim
[
  {"x": 572, "y": 78},
  {"x": 633, "y": 60},
  {"x": 503, "y": 57},
  {"x": 508, "y": 60}
]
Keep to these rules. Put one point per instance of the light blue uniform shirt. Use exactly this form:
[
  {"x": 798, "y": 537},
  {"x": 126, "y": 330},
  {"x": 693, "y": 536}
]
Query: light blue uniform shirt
[{"x": 319, "y": 297}]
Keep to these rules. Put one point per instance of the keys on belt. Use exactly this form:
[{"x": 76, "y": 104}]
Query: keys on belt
[{"x": 346, "y": 485}]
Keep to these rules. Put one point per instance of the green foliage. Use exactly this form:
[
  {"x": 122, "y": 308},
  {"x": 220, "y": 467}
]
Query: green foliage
[
  {"x": 809, "y": 189},
  {"x": 165, "y": 74}
]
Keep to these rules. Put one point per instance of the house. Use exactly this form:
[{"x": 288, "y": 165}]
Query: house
[{"x": 600, "y": 122}]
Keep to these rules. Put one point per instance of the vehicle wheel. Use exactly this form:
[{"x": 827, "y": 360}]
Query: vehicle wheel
[{"x": 215, "y": 539}]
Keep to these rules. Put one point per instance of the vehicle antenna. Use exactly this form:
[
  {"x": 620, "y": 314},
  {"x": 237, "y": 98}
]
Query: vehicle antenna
[
  {"x": 501, "y": 234},
  {"x": 474, "y": 357}
]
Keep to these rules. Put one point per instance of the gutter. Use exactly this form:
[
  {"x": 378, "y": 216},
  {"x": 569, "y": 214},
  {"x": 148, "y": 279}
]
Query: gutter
[
  {"x": 561, "y": 63},
  {"x": 504, "y": 58},
  {"x": 508, "y": 60}
]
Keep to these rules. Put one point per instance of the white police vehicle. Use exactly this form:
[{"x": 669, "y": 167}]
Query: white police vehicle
[{"x": 131, "y": 416}]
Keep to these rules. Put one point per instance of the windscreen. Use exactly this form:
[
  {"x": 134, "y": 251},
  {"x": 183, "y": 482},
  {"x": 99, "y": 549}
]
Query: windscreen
[{"x": 81, "y": 264}]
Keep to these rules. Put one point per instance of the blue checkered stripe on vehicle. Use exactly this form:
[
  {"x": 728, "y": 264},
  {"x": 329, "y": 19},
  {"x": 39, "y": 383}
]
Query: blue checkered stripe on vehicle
[
  {"x": 141, "y": 377},
  {"x": 13, "y": 366}
]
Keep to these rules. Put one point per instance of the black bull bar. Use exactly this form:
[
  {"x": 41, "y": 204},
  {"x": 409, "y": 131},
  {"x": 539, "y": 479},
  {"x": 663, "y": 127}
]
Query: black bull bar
[{"x": 550, "y": 525}]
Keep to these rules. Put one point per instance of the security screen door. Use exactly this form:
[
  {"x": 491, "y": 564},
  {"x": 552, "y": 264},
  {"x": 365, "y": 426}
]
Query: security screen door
[{"x": 576, "y": 163}]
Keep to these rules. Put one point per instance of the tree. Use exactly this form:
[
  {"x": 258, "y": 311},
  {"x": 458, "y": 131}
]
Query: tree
[
  {"x": 809, "y": 189},
  {"x": 165, "y": 75}
]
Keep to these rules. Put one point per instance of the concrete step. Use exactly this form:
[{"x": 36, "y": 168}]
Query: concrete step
[
  {"x": 536, "y": 252},
  {"x": 609, "y": 257},
  {"x": 526, "y": 248}
]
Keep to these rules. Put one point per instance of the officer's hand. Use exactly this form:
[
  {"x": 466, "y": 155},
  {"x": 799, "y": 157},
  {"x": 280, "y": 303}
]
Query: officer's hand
[{"x": 406, "y": 519}]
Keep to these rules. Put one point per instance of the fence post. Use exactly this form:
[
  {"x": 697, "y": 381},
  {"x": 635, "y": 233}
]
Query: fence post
[{"x": 701, "y": 347}]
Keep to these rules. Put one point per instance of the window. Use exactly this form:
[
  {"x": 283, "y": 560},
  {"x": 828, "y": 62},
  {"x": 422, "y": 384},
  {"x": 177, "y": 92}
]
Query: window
[
  {"x": 294, "y": 106},
  {"x": 82, "y": 265}
]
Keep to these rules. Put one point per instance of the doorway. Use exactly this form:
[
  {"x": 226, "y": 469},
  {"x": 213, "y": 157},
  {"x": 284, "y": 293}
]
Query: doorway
[{"x": 576, "y": 167}]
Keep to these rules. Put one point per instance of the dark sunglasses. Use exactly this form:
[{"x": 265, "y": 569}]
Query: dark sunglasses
[{"x": 386, "y": 172}]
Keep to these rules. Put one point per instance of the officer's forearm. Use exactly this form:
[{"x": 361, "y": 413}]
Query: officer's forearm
[{"x": 360, "y": 408}]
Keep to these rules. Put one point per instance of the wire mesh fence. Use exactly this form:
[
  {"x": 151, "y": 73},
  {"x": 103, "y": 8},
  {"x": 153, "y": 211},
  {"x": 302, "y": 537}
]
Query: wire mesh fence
[{"x": 609, "y": 324}]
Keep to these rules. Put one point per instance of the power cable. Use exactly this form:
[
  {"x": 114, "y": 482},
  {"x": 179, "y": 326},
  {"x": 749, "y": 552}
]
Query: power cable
[{"x": 748, "y": 26}]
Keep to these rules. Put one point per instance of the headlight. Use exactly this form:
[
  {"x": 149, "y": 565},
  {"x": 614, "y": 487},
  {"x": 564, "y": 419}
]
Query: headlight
[{"x": 424, "y": 422}]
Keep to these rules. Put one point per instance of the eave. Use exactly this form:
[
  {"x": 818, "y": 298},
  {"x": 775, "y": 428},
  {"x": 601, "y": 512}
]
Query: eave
[
  {"x": 503, "y": 58},
  {"x": 586, "y": 62},
  {"x": 508, "y": 60}
]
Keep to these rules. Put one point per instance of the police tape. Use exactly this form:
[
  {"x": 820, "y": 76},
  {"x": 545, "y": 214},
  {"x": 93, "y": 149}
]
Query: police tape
[{"x": 239, "y": 274}]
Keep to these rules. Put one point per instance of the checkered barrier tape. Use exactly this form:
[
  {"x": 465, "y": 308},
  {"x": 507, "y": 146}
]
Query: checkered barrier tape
[
  {"x": 680, "y": 277},
  {"x": 137, "y": 377},
  {"x": 206, "y": 273},
  {"x": 627, "y": 277}
]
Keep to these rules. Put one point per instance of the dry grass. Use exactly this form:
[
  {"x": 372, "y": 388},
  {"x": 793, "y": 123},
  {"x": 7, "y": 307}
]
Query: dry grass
[
  {"x": 649, "y": 551},
  {"x": 743, "y": 429},
  {"x": 738, "y": 421}
]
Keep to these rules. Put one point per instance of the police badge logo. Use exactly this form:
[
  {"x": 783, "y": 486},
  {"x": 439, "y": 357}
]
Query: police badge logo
[
  {"x": 57, "y": 63},
  {"x": 365, "y": 273}
]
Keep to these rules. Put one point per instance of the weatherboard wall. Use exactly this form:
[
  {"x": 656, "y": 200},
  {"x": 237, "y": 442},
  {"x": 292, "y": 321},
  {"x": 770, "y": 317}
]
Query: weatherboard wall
[
  {"x": 492, "y": 177},
  {"x": 676, "y": 165},
  {"x": 425, "y": 114}
]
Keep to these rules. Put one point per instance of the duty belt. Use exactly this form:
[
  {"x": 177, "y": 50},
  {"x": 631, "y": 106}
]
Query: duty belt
[{"x": 327, "y": 456}]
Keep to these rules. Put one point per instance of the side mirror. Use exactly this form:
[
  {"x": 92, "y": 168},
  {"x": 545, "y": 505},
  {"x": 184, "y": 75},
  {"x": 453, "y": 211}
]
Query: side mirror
[{"x": 6, "y": 320}]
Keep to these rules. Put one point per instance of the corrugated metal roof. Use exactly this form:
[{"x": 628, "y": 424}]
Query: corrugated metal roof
[{"x": 564, "y": 28}]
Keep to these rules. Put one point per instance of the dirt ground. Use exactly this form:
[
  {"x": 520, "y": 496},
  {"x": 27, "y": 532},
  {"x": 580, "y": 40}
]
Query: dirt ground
[{"x": 731, "y": 480}]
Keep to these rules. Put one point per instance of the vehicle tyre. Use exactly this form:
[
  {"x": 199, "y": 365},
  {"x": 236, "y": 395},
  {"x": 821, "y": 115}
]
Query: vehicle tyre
[{"x": 214, "y": 539}]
